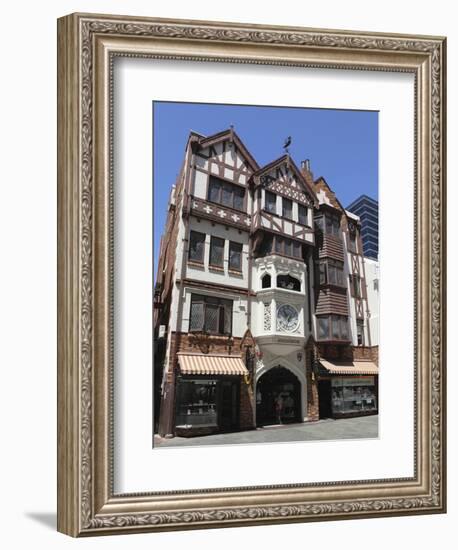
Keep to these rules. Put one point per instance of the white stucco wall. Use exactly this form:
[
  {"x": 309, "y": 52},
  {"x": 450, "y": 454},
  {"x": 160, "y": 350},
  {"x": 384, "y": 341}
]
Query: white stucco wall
[
  {"x": 206, "y": 273},
  {"x": 373, "y": 297}
]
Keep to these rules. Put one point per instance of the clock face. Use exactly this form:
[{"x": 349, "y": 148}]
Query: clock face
[{"x": 287, "y": 318}]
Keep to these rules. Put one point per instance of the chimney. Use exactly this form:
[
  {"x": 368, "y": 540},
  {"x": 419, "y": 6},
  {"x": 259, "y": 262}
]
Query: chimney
[{"x": 305, "y": 168}]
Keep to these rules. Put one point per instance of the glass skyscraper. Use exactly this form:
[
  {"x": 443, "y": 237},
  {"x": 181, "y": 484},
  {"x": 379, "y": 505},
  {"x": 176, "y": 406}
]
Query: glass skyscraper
[{"x": 367, "y": 209}]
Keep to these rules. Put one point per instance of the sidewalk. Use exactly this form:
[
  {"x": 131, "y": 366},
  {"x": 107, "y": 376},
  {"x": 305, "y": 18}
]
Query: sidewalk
[{"x": 348, "y": 428}]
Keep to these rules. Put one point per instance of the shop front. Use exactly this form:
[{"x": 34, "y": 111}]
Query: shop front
[
  {"x": 348, "y": 389},
  {"x": 208, "y": 394}
]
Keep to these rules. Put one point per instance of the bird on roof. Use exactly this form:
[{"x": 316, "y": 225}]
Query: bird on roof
[{"x": 287, "y": 144}]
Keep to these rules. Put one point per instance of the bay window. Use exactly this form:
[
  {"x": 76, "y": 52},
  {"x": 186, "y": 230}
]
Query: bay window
[{"x": 332, "y": 327}]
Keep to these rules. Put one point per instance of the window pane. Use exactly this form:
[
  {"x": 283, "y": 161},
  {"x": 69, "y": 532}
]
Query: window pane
[
  {"x": 196, "y": 246},
  {"x": 335, "y": 326},
  {"x": 320, "y": 223},
  {"x": 323, "y": 327},
  {"x": 332, "y": 274},
  {"x": 235, "y": 256},
  {"x": 336, "y": 226},
  {"x": 297, "y": 249},
  {"x": 271, "y": 202},
  {"x": 227, "y": 318},
  {"x": 302, "y": 214},
  {"x": 196, "y": 318},
  {"x": 339, "y": 273},
  {"x": 211, "y": 318},
  {"x": 328, "y": 225},
  {"x": 214, "y": 190},
  {"x": 227, "y": 195},
  {"x": 322, "y": 273},
  {"x": 287, "y": 208},
  {"x": 360, "y": 332},
  {"x": 239, "y": 195},
  {"x": 216, "y": 251},
  {"x": 344, "y": 327},
  {"x": 279, "y": 245},
  {"x": 288, "y": 247}
]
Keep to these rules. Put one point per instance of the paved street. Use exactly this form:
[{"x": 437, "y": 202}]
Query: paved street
[{"x": 349, "y": 428}]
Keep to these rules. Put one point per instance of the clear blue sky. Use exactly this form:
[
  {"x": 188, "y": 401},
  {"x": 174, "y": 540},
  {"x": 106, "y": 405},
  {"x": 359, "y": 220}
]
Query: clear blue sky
[{"x": 342, "y": 145}]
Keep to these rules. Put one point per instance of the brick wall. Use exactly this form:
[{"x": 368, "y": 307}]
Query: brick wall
[{"x": 246, "y": 406}]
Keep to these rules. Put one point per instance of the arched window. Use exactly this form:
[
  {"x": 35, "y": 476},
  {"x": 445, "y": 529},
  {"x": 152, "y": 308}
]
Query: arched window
[
  {"x": 288, "y": 282},
  {"x": 266, "y": 281}
]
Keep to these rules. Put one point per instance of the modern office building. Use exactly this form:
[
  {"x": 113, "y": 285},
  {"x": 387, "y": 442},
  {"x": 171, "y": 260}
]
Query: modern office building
[
  {"x": 366, "y": 209},
  {"x": 261, "y": 312}
]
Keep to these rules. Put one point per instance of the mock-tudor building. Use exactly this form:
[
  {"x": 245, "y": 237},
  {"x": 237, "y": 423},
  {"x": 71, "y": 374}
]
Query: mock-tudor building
[{"x": 261, "y": 310}]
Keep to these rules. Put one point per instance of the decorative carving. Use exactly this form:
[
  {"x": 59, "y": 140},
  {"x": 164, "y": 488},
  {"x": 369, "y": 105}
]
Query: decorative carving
[
  {"x": 307, "y": 38},
  {"x": 267, "y": 316}
]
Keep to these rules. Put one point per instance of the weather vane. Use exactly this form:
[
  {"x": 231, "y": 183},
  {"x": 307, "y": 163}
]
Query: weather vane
[{"x": 287, "y": 144}]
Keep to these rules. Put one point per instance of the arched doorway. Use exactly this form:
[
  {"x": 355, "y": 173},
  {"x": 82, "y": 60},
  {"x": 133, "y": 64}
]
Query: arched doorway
[{"x": 278, "y": 397}]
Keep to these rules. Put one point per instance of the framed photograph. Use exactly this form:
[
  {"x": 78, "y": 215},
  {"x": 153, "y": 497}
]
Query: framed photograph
[{"x": 251, "y": 291}]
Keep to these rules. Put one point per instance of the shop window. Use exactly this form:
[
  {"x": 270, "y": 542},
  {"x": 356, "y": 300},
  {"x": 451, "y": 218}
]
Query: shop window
[
  {"x": 302, "y": 214},
  {"x": 216, "y": 252},
  {"x": 210, "y": 314},
  {"x": 266, "y": 281},
  {"x": 235, "y": 256},
  {"x": 271, "y": 202},
  {"x": 225, "y": 193},
  {"x": 196, "y": 246},
  {"x": 289, "y": 283},
  {"x": 196, "y": 403},
  {"x": 351, "y": 395},
  {"x": 287, "y": 208}
]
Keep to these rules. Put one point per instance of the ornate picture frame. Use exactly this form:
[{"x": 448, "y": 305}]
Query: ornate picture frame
[{"x": 87, "y": 45}]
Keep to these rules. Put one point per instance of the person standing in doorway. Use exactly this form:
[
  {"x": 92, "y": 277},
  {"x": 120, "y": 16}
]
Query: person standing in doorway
[{"x": 279, "y": 408}]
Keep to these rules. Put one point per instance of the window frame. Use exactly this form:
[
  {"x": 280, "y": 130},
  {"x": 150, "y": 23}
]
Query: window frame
[
  {"x": 213, "y": 239},
  {"x": 198, "y": 261},
  {"x": 266, "y": 208},
  {"x": 226, "y": 185},
  {"x": 332, "y": 321},
  {"x": 306, "y": 214},
  {"x": 232, "y": 268},
  {"x": 223, "y": 305},
  {"x": 285, "y": 200},
  {"x": 360, "y": 325}
]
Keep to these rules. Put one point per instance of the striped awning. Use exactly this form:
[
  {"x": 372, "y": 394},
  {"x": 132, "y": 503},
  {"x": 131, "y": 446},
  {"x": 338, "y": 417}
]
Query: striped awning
[
  {"x": 211, "y": 364},
  {"x": 349, "y": 367}
]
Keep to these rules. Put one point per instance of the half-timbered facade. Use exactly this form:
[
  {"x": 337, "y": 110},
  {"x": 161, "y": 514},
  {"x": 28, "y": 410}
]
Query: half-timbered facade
[{"x": 259, "y": 297}]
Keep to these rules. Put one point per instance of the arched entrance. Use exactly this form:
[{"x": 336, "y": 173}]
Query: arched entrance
[{"x": 278, "y": 397}]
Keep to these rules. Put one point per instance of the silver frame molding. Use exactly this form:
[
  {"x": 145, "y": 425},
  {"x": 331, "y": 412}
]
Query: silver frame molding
[{"x": 87, "y": 45}]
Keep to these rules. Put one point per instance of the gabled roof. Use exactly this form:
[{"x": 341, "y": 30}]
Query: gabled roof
[
  {"x": 334, "y": 197},
  {"x": 231, "y": 135},
  {"x": 286, "y": 159}
]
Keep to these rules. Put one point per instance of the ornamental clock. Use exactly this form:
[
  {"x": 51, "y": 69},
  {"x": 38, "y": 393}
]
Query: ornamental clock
[{"x": 287, "y": 318}]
